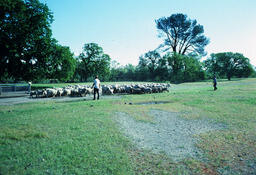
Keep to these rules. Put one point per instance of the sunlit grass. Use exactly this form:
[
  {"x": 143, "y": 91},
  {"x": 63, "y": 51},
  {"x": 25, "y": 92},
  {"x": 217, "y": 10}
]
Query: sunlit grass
[{"x": 82, "y": 137}]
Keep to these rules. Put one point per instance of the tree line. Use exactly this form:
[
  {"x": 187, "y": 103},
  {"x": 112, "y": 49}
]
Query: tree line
[{"x": 30, "y": 53}]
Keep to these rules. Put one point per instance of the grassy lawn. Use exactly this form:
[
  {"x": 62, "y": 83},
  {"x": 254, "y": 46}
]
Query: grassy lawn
[{"x": 83, "y": 138}]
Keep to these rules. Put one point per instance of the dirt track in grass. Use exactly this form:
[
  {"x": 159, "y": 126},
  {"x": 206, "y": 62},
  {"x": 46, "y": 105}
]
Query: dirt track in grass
[{"x": 169, "y": 133}]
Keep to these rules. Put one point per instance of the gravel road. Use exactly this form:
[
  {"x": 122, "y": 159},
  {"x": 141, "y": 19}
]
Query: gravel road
[{"x": 169, "y": 133}]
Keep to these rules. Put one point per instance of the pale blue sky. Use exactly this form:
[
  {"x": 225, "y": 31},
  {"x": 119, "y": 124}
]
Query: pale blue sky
[{"x": 126, "y": 29}]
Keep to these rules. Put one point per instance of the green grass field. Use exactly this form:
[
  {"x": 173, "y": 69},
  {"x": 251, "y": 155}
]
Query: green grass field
[{"x": 82, "y": 137}]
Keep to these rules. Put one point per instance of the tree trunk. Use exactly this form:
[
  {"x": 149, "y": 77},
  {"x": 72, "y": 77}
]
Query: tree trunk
[{"x": 229, "y": 75}]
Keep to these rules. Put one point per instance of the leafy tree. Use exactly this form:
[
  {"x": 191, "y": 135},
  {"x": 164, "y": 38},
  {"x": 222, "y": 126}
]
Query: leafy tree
[
  {"x": 143, "y": 69},
  {"x": 115, "y": 74},
  {"x": 93, "y": 61},
  {"x": 182, "y": 35},
  {"x": 124, "y": 73},
  {"x": 229, "y": 64},
  {"x": 153, "y": 58},
  {"x": 175, "y": 63},
  {"x": 193, "y": 70},
  {"x": 184, "y": 68},
  {"x": 162, "y": 72},
  {"x": 114, "y": 71},
  {"x": 171, "y": 67},
  {"x": 211, "y": 66},
  {"x": 25, "y": 39},
  {"x": 150, "y": 61},
  {"x": 254, "y": 72},
  {"x": 62, "y": 63},
  {"x": 130, "y": 72}
]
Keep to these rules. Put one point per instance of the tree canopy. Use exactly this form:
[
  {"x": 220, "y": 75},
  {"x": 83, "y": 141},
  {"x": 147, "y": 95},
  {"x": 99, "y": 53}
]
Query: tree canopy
[
  {"x": 149, "y": 63},
  {"x": 184, "y": 68},
  {"x": 61, "y": 64},
  {"x": 93, "y": 61},
  {"x": 182, "y": 35},
  {"x": 25, "y": 38},
  {"x": 229, "y": 64}
]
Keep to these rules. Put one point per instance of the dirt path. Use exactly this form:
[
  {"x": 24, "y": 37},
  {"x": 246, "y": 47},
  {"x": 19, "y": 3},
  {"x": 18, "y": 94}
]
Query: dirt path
[
  {"x": 170, "y": 133},
  {"x": 20, "y": 100}
]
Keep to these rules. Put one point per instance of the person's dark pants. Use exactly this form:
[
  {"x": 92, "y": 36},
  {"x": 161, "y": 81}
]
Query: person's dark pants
[
  {"x": 215, "y": 86},
  {"x": 95, "y": 90}
]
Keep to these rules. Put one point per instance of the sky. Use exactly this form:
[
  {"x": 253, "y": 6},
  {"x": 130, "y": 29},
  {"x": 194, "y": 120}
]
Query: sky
[{"x": 126, "y": 29}]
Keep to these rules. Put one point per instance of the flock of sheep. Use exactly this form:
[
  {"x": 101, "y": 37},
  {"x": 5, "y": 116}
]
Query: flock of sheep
[{"x": 83, "y": 90}]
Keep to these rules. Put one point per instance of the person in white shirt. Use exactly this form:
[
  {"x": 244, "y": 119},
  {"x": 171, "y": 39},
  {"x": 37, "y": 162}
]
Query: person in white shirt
[{"x": 96, "y": 88}]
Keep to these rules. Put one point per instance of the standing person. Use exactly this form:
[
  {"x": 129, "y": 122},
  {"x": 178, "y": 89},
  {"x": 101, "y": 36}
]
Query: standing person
[
  {"x": 29, "y": 87},
  {"x": 96, "y": 87},
  {"x": 214, "y": 83}
]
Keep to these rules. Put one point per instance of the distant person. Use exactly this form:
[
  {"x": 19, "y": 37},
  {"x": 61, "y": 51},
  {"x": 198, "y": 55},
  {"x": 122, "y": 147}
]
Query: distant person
[
  {"x": 214, "y": 83},
  {"x": 29, "y": 87},
  {"x": 96, "y": 88}
]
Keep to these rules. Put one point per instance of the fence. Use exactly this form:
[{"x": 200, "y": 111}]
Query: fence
[{"x": 14, "y": 88}]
